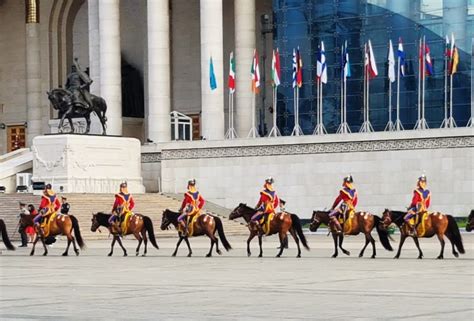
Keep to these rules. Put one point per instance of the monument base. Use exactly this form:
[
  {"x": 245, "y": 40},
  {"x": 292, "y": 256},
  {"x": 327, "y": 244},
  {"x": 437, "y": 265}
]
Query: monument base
[{"x": 87, "y": 164}]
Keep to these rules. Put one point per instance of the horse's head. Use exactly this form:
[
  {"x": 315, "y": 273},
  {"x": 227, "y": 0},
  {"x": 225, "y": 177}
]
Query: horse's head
[
  {"x": 58, "y": 98},
  {"x": 470, "y": 222},
  {"x": 238, "y": 211},
  {"x": 167, "y": 219},
  {"x": 386, "y": 218},
  {"x": 316, "y": 220},
  {"x": 95, "y": 222}
]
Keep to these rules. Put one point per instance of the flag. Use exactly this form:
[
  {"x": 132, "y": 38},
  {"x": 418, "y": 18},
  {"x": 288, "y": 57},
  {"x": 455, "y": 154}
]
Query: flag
[
  {"x": 401, "y": 55},
  {"x": 295, "y": 68},
  {"x": 321, "y": 71},
  {"x": 347, "y": 66},
  {"x": 276, "y": 68},
  {"x": 255, "y": 73},
  {"x": 391, "y": 62},
  {"x": 212, "y": 75},
  {"x": 231, "y": 73},
  {"x": 454, "y": 65},
  {"x": 372, "y": 65},
  {"x": 299, "y": 68},
  {"x": 420, "y": 59},
  {"x": 428, "y": 62}
]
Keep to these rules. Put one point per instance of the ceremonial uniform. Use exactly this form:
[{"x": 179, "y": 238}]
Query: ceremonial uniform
[
  {"x": 123, "y": 204},
  {"x": 49, "y": 204},
  {"x": 420, "y": 202},
  {"x": 347, "y": 197},
  {"x": 268, "y": 202},
  {"x": 192, "y": 204}
]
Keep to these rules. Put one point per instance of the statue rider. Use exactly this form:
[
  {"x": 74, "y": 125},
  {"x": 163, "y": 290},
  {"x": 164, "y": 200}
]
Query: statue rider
[{"x": 78, "y": 83}]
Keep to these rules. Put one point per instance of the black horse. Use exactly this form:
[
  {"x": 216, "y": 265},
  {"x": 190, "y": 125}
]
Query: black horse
[
  {"x": 470, "y": 222},
  {"x": 69, "y": 108},
  {"x": 5, "y": 238}
]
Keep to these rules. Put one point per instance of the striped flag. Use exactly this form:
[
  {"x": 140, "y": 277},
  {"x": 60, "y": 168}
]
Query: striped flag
[
  {"x": 372, "y": 65},
  {"x": 299, "y": 68},
  {"x": 276, "y": 68},
  {"x": 401, "y": 55},
  {"x": 295, "y": 68},
  {"x": 391, "y": 62},
  {"x": 428, "y": 62},
  {"x": 212, "y": 75},
  {"x": 231, "y": 73},
  {"x": 321, "y": 70},
  {"x": 255, "y": 73}
]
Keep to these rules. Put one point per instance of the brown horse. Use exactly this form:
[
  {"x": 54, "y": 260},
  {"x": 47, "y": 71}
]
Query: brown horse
[
  {"x": 5, "y": 238},
  {"x": 360, "y": 222},
  {"x": 138, "y": 225},
  {"x": 205, "y": 224},
  {"x": 58, "y": 225},
  {"x": 282, "y": 223},
  {"x": 470, "y": 222},
  {"x": 432, "y": 224}
]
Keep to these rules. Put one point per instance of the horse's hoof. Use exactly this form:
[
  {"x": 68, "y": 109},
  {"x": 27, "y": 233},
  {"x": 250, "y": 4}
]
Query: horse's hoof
[
  {"x": 298, "y": 256},
  {"x": 173, "y": 255},
  {"x": 219, "y": 252},
  {"x": 143, "y": 255},
  {"x": 65, "y": 254},
  {"x": 260, "y": 255},
  {"x": 440, "y": 257},
  {"x": 334, "y": 256},
  {"x": 396, "y": 257},
  {"x": 46, "y": 253},
  {"x": 419, "y": 257},
  {"x": 248, "y": 254},
  {"x": 278, "y": 255},
  {"x": 136, "y": 254},
  {"x": 125, "y": 254},
  {"x": 77, "y": 253},
  {"x": 346, "y": 252},
  {"x": 456, "y": 254},
  {"x": 361, "y": 255},
  {"x": 372, "y": 257},
  {"x": 32, "y": 253},
  {"x": 190, "y": 254},
  {"x": 110, "y": 254},
  {"x": 208, "y": 255}
]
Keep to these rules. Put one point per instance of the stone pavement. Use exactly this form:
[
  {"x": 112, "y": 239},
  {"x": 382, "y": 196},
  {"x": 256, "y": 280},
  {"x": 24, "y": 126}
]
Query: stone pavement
[{"x": 234, "y": 287}]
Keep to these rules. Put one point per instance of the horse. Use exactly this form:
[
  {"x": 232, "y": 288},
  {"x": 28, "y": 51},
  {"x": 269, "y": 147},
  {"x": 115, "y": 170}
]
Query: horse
[
  {"x": 282, "y": 223},
  {"x": 431, "y": 224},
  {"x": 67, "y": 107},
  {"x": 138, "y": 225},
  {"x": 360, "y": 222},
  {"x": 5, "y": 238},
  {"x": 470, "y": 222},
  {"x": 59, "y": 224},
  {"x": 203, "y": 224}
]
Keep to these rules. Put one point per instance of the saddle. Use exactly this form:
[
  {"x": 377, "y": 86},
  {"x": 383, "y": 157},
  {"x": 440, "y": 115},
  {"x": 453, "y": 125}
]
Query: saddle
[
  {"x": 265, "y": 223},
  {"x": 190, "y": 221},
  {"x": 419, "y": 221},
  {"x": 125, "y": 222},
  {"x": 46, "y": 223}
]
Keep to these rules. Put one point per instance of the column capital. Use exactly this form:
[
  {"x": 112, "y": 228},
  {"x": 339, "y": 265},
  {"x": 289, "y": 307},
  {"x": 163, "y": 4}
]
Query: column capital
[{"x": 32, "y": 9}]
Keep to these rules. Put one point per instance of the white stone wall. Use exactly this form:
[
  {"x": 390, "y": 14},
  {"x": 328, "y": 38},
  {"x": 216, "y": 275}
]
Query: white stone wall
[{"x": 232, "y": 172}]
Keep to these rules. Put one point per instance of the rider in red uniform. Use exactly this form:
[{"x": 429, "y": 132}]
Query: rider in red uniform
[
  {"x": 124, "y": 203},
  {"x": 346, "y": 201},
  {"x": 192, "y": 204},
  {"x": 49, "y": 204},
  {"x": 420, "y": 203},
  {"x": 267, "y": 204}
]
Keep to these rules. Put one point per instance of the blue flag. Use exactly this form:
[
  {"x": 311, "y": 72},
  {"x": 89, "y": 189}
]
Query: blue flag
[{"x": 212, "y": 75}]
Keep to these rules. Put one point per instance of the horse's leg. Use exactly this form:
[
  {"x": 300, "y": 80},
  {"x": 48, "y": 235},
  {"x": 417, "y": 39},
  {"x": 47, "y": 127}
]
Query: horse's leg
[
  {"x": 139, "y": 238},
  {"x": 112, "y": 247},
  {"x": 297, "y": 240},
  {"x": 260, "y": 245},
  {"x": 88, "y": 122},
  {"x": 76, "y": 250},
  {"x": 216, "y": 239},
  {"x": 341, "y": 239},
  {"x": 189, "y": 246},
  {"x": 402, "y": 240},
  {"x": 34, "y": 244},
  {"x": 251, "y": 236},
  {"x": 145, "y": 241},
  {"x": 450, "y": 238},
  {"x": 361, "y": 254},
  {"x": 420, "y": 253},
  {"x": 69, "y": 119},
  {"x": 373, "y": 246},
  {"x": 335, "y": 237},
  {"x": 121, "y": 245},
  {"x": 69, "y": 239},
  {"x": 441, "y": 240},
  {"x": 44, "y": 246},
  {"x": 212, "y": 246},
  {"x": 177, "y": 246},
  {"x": 282, "y": 236}
]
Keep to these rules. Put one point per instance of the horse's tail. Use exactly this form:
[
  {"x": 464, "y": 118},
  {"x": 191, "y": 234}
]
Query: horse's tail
[
  {"x": 453, "y": 229},
  {"x": 296, "y": 225},
  {"x": 383, "y": 234},
  {"x": 220, "y": 231},
  {"x": 150, "y": 230},
  {"x": 5, "y": 238},
  {"x": 77, "y": 232}
]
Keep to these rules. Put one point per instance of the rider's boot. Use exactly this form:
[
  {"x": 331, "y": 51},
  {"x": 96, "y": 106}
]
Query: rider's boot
[{"x": 337, "y": 225}]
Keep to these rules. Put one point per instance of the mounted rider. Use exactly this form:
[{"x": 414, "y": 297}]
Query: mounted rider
[
  {"x": 123, "y": 204},
  {"x": 420, "y": 203},
  {"x": 49, "y": 205},
  {"x": 78, "y": 83},
  {"x": 345, "y": 202},
  {"x": 267, "y": 204},
  {"x": 65, "y": 207},
  {"x": 192, "y": 205}
]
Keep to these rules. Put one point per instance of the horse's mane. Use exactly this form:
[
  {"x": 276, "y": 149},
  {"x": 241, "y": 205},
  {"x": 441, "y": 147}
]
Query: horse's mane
[
  {"x": 471, "y": 215},
  {"x": 397, "y": 216},
  {"x": 103, "y": 218}
]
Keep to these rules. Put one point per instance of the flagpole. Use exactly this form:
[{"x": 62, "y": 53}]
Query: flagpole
[
  {"x": 367, "y": 126},
  {"x": 253, "y": 131},
  {"x": 398, "y": 123},
  {"x": 340, "y": 129},
  {"x": 444, "y": 124},
  {"x": 423, "y": 84},
  {"x": 420, "y": 74},
  {"x": 274, "y": 132}
]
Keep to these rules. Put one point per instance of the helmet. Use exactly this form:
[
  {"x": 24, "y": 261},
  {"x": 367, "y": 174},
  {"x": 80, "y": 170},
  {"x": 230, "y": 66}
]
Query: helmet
[
  {"x": 269, "y": 180},
  {"x": 348, "y": 179},
  {"x": 123, "y": 185},
  {"x": 192, "y": 181},
  {"x": 48, "y": 186},
  {"x": 422, "y": 178}
]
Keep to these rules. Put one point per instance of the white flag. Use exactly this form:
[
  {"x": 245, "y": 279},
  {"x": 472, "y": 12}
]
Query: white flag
[
  {"x": 391, "y": 63},
  {"x": 321, "y": 67}
]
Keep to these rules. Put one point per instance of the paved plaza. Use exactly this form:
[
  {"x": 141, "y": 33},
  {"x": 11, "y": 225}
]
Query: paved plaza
[{"x": 234, "y": 287}]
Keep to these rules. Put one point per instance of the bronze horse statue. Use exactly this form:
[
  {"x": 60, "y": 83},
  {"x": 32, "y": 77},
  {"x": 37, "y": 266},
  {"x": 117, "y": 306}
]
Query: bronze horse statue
[{"x": 68, "y": 107}]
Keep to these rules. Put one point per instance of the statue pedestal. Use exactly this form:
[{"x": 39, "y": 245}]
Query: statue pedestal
[
  {"x": 87, "y": 163},
  {"x": 79, "y": 125}
]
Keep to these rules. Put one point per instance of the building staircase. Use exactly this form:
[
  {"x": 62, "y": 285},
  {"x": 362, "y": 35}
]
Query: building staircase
[{"x": 83, "y": 205}]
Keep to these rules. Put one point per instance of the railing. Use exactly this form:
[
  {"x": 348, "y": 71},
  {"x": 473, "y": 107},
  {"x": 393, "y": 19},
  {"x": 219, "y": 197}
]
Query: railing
[{"x": 181, "y": 126}]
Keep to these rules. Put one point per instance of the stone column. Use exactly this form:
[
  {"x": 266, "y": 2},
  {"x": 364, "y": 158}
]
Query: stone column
[
  {"x": 94, "y": 45},
  {"x": 454, "y": 21},
  {"x": 212, "y": 101},
  {"x": 244, "y": 11},
  {"x": 33, "y": 70},
  {"x": 110, "y": 73},
  {"x": 158, "y": 122}
]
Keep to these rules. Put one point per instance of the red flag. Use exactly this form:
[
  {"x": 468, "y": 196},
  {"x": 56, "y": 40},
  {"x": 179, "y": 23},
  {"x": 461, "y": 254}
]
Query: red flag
[{"x": 299, "y": 68}]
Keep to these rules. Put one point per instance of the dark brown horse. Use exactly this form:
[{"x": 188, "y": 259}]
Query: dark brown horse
[
  {"x": 59, "y": 225},
  {"x": 433, "y": 224},
  {"x": 281, "y": 224},
  {"x": 138, "y": 225},
  {"x": 205, "y": 224},
  {"x": 360, "y": 222},
  {"x": 5, "y": 238},
  {"x": 470, "y": 222}
]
